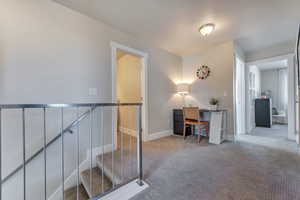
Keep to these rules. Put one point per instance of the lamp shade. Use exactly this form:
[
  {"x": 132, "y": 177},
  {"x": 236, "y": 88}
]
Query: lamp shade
[{"x": 183, "y": 88}]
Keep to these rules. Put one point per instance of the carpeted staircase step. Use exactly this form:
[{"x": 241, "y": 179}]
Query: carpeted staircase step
[
  {"x": 96, "y": 188},
  {"x": 71, "y": 194},
  {"x": 124, "y": 167}
]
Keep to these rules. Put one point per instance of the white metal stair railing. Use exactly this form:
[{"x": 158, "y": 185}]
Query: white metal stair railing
[{"x": 97, "y": 179}]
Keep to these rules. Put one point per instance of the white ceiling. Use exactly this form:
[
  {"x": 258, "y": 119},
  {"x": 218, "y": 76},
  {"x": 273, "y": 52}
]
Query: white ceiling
[
  {"x": 278, "y": 64},
  {"x": 173, "y": 24}
]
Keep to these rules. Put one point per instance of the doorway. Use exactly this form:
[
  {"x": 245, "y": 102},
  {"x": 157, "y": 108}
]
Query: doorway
[
  {"x": 269, "y": 102},
  {"x": 129, "y": 85}
]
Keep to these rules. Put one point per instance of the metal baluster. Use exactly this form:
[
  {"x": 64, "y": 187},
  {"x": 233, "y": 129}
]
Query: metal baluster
[
  {"x": 45, "y": 155},
  {"x": 24, "y": 153},
  {"x": 139, "y": 145},
  {"x": 113, "y": 152},
  {"x": 226, "y": 113},
  {"x": 91, "y": 150},
  {"x": 102, "y": 143},
  {"x": 122, "y": 149},
  {"x": 78, "y": 150},
  {"x": 130, "y": 157},
  {"x": 0, "y": 153},
  {"x": 62, "y": 155}
]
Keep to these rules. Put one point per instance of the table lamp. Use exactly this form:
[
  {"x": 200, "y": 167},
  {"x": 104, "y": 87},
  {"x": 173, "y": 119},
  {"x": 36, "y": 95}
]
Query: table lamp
[{"x": 183, "y": 89}]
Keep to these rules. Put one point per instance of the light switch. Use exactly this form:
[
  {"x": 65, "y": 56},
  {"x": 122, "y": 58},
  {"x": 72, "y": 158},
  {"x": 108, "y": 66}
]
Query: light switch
[
  {"x": 93, "y": 91},
  {"x": 225, "y": 93}
]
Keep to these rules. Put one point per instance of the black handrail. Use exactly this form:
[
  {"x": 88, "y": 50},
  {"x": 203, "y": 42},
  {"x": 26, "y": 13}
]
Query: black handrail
[{"x": 68, "y": 129}]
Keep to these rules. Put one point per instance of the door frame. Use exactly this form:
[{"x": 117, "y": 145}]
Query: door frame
[
  {"x": 144, "y": 84},
  {"x": 243, "y": 98},
  {"x": 291, "y": 90}
]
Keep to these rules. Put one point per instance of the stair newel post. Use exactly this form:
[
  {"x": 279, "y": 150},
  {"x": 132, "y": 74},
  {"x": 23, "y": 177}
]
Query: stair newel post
[
  {"x": 91, "y": 150},
  {"x": 103, "y": 150},
  {"x": 113, "y": 148},
  {"x": 24, "y": 153},
  {"x": 45, "y": 153},
  {"x": 0, "y": 154},
  {"x": 62, "y": 155},
  {"x": 78, "y": 153},
  {"x": 139, "y": 145}
]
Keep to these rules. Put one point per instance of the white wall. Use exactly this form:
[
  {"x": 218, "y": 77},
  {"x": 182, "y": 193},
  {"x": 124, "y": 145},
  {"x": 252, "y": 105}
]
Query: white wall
[
  {"x": 270, "y": 81},
  {"x": 220, "y": 59},
  {"x": 51, "y": 54}
]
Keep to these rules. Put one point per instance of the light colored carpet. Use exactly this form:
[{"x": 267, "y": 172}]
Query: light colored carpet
[
  {"x": 185, "y": 170},
  {"x": 276, "y": 132}
]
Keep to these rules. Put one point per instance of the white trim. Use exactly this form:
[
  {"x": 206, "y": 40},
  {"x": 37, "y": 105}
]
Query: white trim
[
  {"x": 266, "y": 60},
  {"x": 114, "y": 47},
  {"x": 230, "y": 138},
  {"x": 291, "y": 99},
  {"x": 243, "y": 104},
  {"x": 155, "y": 136},
  {"x": 71, "y": 180},
  {"x": 126, "y": 192},
  {"x": 128, "y": 131},
  {"x": 234, "y": 97},
  {"x": 291, "y": 90}
]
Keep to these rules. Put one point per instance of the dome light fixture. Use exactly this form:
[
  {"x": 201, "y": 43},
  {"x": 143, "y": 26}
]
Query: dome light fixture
[{"x": 207, "y": 29}]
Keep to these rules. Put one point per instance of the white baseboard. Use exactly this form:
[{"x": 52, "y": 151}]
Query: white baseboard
[
  {"x": 155, "y": 136},
  {"x": 230, "y": 138},
  {"x": 71, "y": 180},
  {"x": 126, "y": 192},
  {"x": 128, "y": 131}
]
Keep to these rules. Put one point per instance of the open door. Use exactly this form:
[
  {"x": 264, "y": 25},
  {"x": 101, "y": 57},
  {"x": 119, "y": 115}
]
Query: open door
[
  {"x": 240, "y": 96},
  {"x": 298, "y": 86}
]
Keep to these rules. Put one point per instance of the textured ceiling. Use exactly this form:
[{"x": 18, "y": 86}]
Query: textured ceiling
[{"x": 173, "y": 24}]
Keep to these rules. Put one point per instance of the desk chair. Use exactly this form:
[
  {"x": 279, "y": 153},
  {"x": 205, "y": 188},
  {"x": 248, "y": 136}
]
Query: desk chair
[{"x": 191, "y": 117}]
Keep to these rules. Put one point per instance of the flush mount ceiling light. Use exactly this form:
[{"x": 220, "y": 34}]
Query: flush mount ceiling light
[{"x": 206, "y": 29}]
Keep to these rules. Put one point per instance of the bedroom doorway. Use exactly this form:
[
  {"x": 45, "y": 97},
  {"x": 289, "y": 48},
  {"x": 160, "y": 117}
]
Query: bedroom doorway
[
  {"x": 270, "y": 102},
  {"x": 129, "y": 85}
]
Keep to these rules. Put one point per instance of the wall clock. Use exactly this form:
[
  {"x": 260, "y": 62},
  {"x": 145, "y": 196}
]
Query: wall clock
[{"x": 203, "y": 72}]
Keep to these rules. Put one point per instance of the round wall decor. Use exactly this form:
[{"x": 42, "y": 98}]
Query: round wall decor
[{"x": 203, "y": 72}]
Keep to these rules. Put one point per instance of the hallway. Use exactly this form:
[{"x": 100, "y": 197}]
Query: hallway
[{"x": 180, "y": 170}]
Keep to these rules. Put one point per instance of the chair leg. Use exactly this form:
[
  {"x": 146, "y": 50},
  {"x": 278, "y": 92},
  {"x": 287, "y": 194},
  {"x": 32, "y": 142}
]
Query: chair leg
[
  {"x": 207, "y": 131},
  {"x": 193, "y": 130},
  {"x": 199, "y": 135}
]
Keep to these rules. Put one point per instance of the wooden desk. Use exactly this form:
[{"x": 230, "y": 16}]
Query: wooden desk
[{"x": 217, "y": 128}]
